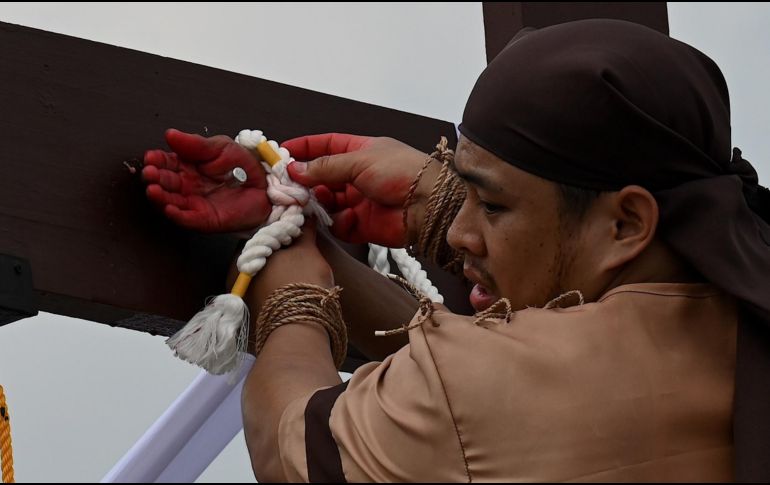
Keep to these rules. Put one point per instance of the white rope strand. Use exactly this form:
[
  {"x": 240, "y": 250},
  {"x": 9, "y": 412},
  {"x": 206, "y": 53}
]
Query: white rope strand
[
  {"x": 412, "y": 271},
  {"x": 378, "y": 259},
  {"x": 270, "y": 239}
]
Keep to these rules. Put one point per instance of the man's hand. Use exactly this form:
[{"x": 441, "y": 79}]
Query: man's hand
[
  {"x": 190, "y": 183},
  {"x": 364, "y": 182}
]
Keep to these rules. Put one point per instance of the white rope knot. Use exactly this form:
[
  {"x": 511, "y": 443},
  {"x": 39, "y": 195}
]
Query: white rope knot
[
  {"x": 291, "y": 202},
  {"x": 249, "y": 139}
]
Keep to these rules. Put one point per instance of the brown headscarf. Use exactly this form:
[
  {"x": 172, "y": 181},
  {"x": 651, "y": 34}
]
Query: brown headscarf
[{"x": 602, "y": 104}]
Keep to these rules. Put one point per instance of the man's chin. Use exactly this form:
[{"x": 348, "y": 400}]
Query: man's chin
[{"x": 481, "y": 298}]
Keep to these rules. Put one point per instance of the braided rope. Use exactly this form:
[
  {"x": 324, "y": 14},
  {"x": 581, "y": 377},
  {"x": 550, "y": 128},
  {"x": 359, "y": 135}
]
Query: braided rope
[
  {"x": 6, "y": 447},
  {"x": 304, "y": 303},
  {"x": 291, "y": 202},
  {"x": 414, "y": 274},
  {"x": 407, "y": 265},
  {"x": 378, "y": 259}
]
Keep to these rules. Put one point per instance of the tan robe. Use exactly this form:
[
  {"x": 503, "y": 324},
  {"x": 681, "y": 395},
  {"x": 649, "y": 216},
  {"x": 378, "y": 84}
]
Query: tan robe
[{"x": 635, "y": 387}]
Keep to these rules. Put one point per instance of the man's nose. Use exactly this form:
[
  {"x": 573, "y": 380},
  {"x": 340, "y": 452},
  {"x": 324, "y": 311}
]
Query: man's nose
[{"x": 464, "y": 234}]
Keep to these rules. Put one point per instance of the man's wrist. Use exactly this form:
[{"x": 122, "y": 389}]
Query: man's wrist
[
  {"x": 436, "y": 212},
  {"x": 415, "y": 215}
]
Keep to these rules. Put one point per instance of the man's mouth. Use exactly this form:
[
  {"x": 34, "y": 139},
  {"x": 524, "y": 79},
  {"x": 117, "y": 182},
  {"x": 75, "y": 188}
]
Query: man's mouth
[{"x": 481, "y": 296}]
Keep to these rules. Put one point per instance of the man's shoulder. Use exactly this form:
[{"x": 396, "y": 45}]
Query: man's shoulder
[
  {"x": 642, "y": 302},
  {"x": 627, "y": 323},
  {"x": 664, "y": 290}
]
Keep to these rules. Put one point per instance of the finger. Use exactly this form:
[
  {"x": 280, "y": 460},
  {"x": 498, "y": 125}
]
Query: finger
[
  {"x": 348, "y": 197},
  {"x": 354, "y": 225},
  {"x": 388, "y": 230},
  {"x": 170, "y": 181},
  {"x": 331, "y": 170},
  {"x": 325, "y": 197},
  {"x": 150, "y": 174},
  {"x": 161, "y": 159},
  {"x": 231, "y": 156},
  {"x": 157, "y": 195},
  {"x": 343, "y": 225},
  {"x": 196, "y": 148},
  {"x": 335, "y": 200},
  {"x": 314, "y": 146}
]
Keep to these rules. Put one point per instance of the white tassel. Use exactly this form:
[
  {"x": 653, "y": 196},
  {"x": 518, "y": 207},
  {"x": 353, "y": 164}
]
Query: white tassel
[
  {"x": 215, "y": 336},
  {"x": 209, "y": 339}
]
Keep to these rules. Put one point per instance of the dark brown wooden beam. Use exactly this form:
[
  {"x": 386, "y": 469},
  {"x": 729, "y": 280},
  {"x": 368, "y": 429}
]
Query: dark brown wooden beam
[
  {"x": 503, "y": 19},
  {"x": 74, "y": 110}
]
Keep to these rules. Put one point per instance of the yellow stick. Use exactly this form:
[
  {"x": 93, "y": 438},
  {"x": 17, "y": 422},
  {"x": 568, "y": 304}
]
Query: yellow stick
[
  {"x": 272, "y": 157},
  {"x": 268, "y": 154},
  {"x": 241, "y": 284}
]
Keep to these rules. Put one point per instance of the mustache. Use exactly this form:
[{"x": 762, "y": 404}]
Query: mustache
[{"x": 482, "y": 271}]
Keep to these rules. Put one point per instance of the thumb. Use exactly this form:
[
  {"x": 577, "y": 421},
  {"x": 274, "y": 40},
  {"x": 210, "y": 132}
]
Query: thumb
[
  {"x": 330, "y": 170},
  {"x": 194, "y": 147}
]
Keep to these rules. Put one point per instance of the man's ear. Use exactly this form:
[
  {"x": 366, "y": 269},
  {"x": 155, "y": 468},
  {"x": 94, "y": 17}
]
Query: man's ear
[{"x": 631, "y": 217}]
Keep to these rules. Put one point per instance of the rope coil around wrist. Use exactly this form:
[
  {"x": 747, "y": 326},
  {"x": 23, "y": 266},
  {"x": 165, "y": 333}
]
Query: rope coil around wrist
[
  {"x": 444, "y": 202},
  {"x": 303, "y": 303},
  {"x": 409, "y": 267}
]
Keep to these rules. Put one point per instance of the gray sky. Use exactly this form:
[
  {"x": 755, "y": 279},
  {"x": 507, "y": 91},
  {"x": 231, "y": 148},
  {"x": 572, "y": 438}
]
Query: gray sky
[
  {"x": 737, "y": 37},
  {"x": 82, "y": 393}
]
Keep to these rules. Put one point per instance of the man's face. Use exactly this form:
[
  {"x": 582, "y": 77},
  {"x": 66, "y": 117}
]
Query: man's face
[{"x": 509, "y": 230}]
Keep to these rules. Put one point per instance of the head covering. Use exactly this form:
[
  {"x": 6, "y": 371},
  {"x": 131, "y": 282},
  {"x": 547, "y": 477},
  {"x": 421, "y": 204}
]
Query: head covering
[{"x": 602, "y": 104}]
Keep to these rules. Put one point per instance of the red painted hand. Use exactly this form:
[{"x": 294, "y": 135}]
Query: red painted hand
[
  {"x": 190, "y": 184},
  {"x": 363, "y": 182}
]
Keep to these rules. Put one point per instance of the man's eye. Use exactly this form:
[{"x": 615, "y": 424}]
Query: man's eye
[{"x": 491, "y": 208}]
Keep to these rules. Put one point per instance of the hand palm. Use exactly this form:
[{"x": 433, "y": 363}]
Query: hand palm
[{"x": 191, "y": 185}]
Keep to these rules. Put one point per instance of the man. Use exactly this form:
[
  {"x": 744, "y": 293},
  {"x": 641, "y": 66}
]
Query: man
[{"x": 595, "y": 159}]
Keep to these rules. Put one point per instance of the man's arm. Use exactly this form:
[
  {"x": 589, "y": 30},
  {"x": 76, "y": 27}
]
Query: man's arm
[
  {"x": 371, "y": 302},
  {"x": 295, "y": 360}
]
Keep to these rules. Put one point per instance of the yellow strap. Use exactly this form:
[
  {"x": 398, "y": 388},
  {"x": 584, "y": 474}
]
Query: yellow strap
[
  {"x": 241, "y": 285},
  {"x": 268, "y": 154},
  {"x": 6, "y": 449}
]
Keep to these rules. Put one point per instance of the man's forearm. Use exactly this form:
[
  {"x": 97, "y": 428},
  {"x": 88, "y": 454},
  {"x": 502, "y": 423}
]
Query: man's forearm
[
  {"x": 369, "y": 302},
  {"x": 295, "y": 361}
]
